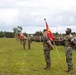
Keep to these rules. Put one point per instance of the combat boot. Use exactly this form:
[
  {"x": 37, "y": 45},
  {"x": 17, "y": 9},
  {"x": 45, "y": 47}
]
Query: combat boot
[
  {"x": 71, "y": 71},
  {"x": 47, "y": 68},
  {"x": 67, "y": 70}
]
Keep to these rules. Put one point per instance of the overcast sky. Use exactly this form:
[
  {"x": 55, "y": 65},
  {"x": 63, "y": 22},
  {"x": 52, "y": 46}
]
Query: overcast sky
[{"x": 30, "y": 14}]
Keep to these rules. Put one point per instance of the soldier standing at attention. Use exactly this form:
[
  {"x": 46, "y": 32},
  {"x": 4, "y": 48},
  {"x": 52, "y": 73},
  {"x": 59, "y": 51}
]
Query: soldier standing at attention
[
  {"x": 47, "y": 47},
  {"x": 29, "y": 41},
  {"x": 24, "y": 41},
  {"x": 68, "y": 50},
  {"x": 21, "y": 37}
]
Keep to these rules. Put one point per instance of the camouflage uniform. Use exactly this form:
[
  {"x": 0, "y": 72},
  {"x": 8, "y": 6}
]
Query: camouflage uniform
[
  {"x": 29, "y": 42},
  {"x": 47, "y": 52},
  {"x": 24, "y": 42},
  {"x": 68, "y": 47}
]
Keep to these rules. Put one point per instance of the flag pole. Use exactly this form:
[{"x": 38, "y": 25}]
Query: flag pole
[
  {"x": 45, "y": 20},
  {"x": 57, "y": 52},
  {"x": 58, "y": 56}
]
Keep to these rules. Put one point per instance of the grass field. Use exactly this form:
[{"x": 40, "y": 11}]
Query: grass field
[{"x": 14, "y": 60}]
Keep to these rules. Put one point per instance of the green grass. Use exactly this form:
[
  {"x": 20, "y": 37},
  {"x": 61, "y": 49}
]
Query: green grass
[{"x": 14, "y": 60}]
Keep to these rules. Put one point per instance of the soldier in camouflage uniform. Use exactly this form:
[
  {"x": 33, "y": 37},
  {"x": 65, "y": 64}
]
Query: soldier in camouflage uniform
[
  {"x": 29, "y": 41},
  {"x": 24, "y": 41},
  {"x": 47, "y": 47},
  {"x": 68, "y": 47}
]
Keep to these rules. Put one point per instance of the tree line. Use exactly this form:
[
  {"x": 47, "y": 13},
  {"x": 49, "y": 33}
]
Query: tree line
[{"x": 18, "y": 29}]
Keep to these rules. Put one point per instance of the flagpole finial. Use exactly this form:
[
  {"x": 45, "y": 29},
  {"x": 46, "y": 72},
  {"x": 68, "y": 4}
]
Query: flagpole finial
[{"x": 44, "y": 19}]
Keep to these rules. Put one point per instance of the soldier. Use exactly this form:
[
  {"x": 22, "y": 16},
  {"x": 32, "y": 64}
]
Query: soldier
[
  {"x": 24, "y": 41},
  {"x": 21, "y": 37},
  {"x": 68, "y": 50},
  {"x": 17, "y": 37},
  {"x": 47, "y": 47},
  {"x": 29, "y": 41}
]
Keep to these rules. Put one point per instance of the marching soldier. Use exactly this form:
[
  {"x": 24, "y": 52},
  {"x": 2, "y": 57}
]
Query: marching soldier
[
  {"x": 68, "y": 47},
  {"x": 47, "y": 47}
]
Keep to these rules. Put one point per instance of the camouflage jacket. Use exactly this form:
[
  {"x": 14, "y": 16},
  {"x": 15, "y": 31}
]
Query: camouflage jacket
[
  {"x": 68, "y": 40},
  {"x": 45, "y": 42}
]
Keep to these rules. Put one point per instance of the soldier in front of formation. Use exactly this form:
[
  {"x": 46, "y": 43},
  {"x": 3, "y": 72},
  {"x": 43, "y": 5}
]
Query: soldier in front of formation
[
  {"x": 47, "y": 45},
  {"x": 68, "y": 42}
]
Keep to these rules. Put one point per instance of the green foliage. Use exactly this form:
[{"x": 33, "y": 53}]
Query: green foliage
[
  {"x": 1, "y": 34},
  {"x": 38, "y": 33},
  {"x": 9, "y": 34},
  {"x": 17, "y": 30},
  {"x": 14, "y": 30},
  {"x": 56, "y": 33},
  {"x": 73, "y": 33},
  {"x": 6, "y": 34},
  {"x": 14, "y": 60}
]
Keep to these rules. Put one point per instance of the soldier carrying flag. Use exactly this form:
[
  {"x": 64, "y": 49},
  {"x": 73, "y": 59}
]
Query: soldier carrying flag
[{"x": 47, "y": 45}]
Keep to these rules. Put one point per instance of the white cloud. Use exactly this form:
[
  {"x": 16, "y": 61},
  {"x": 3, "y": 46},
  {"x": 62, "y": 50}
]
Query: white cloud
[
  {"x": 59, "y": 18},
  {"x": 8, "y": 16},
  {"x": 62, "y": 29},
  {"x": 24, "y": 3},
  {"x": 71, "y": 19},
  {"x": 26, "y": 13}
]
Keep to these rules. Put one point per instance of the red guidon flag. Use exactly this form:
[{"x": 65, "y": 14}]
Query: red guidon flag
[
  {"x": 21, "y": 35},
  {"x": 49, "y": 34}
]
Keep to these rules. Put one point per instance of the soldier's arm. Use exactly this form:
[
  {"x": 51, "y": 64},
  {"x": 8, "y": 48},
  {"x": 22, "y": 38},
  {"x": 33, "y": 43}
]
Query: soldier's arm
[
  {"x": 73, "y": 41},
  {"x": 50, "y": 44},
  {"x": 63, "y": 40}
]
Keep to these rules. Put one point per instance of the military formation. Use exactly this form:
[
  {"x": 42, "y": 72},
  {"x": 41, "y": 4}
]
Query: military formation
[
  {"x": 24, "y": 40},
  {"x": 69, "y": 42}
]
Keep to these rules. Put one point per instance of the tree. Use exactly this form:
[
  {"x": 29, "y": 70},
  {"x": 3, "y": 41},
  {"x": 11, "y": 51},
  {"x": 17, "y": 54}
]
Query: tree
[
  {"x": 73, "y": 33},
  {"x": 6, "y": 34},
  {"x": 1, "y": 34},
  {"x": 56, "y": 33},
  {"x": 17, "y": 30},
  {"x": 38, "y": 33},
  {"x": 9, "y": 34}
]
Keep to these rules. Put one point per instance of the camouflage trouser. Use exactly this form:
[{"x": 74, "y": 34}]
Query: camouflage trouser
[
  {"x": 29, "y": 45},
  {"x": 69, "y": 57},
  {"x": 21, "y": 41},
  {"x": 47, "y": 57},
  {"x": 24, "y": 43}
]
